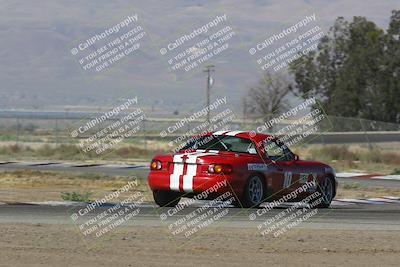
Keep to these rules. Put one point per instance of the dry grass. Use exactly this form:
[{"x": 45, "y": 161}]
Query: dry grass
[
  {"x": 29, "y": 185},
  {"x": 355, "y": 190},
  {"x": 383, "y": 158},
  {"x": 354, "y": 157},
  {"x": 72, "y": 152}
]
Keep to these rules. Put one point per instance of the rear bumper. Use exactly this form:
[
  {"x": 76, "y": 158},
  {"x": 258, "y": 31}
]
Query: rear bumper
[{"x": 218, "y": 183}]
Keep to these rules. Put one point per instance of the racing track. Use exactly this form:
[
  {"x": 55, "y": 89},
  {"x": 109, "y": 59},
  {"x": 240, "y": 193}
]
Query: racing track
[
  {"x": 348, "y": 217},
  {"x": 377, "y": 216}
]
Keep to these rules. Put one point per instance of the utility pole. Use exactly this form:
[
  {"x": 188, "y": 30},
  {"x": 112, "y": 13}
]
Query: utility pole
[
  {"x": 244, "y": 109},
  {"x": 208, "y": 69}
]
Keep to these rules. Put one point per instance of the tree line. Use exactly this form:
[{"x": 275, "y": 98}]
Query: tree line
[{"x": 354, "y": 72}]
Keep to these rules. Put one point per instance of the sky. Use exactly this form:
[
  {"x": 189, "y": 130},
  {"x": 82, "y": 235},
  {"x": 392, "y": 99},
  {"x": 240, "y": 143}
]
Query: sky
[{"x": 39, "y": 70}]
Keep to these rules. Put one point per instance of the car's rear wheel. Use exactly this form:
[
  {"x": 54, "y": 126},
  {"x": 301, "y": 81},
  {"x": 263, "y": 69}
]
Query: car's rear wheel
[
  {"x": 166, "y": 198},
  {"x": 326, "y": 189},
  {"x": 253, "y": 194}
]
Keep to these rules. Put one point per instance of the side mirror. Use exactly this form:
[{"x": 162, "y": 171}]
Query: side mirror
[{"x": 296, "y": 157}]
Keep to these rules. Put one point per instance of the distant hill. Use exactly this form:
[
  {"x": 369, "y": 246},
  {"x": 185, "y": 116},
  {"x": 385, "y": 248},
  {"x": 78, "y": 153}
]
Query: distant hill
[{"x": 38, "y": 71}]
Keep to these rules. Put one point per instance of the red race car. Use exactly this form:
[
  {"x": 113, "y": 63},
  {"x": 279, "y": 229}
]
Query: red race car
[{"x": 253, "y": 167}]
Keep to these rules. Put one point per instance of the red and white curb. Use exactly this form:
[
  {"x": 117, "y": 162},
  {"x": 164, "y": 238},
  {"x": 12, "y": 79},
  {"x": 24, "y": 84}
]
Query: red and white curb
[
  {"x": 73, "y": 165},
  {"x": 359, "y": 175},
  {"x": 371, "y": 201},
  {"x": 75, "y": 204}
]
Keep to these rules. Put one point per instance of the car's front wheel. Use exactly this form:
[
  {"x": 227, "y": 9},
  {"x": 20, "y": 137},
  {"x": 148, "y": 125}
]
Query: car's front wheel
[
  {"x": 327, "y": 191},
  {"x": 253, "y": 193},
  {"x": 166, "y": 198}
]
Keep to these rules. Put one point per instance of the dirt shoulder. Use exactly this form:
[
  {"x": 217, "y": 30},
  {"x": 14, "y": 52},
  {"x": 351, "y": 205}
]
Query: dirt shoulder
[{"x": 60, "y": 245}]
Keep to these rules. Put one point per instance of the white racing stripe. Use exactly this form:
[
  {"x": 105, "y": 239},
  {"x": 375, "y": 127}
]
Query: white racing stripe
[
  {"x": 219, "y": 132},
  {"x": 233, "y": 133},
  {"x": 190, "y": 171},
  {"x": 178, "y": 171},
  {"x": 188, "y": 177}
]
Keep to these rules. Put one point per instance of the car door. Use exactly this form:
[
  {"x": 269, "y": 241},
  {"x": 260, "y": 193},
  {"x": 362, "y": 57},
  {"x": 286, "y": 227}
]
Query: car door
[{"x": 284, "y": 171}]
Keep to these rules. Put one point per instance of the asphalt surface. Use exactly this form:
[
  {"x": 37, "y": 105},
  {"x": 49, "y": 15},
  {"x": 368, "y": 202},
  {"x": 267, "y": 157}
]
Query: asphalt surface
[
  {"x": 349, "y": 216},
  {"x": 141, "y": 171},
  {"x": 355, "y": 216},
  {"x": 137, "y": 170}
]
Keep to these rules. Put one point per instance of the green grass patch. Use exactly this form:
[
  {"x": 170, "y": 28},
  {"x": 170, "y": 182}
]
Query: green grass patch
[
  {"x": 396, "y": 171},
  {"x": 350, "y": 185},
  {"x": 75, "y": 196}
]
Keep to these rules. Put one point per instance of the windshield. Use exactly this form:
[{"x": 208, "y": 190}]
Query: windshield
[{"x": 221, "y": 143}]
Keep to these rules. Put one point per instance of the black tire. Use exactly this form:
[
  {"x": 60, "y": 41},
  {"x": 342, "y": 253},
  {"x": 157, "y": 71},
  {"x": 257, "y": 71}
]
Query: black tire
[
  {"x": 326, "y": 189},
  {"x": 237, "y": 203},
  {"x": 254, "y": 192},
  {"x": 166, "y": 198}
]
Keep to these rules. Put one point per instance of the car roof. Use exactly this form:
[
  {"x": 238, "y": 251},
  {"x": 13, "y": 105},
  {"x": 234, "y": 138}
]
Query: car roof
[{"x": 252, "y": 135}]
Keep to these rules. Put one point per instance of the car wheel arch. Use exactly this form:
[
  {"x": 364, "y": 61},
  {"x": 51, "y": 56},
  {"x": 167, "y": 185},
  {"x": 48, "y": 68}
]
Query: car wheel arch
[{"x": 332, "y": 178}]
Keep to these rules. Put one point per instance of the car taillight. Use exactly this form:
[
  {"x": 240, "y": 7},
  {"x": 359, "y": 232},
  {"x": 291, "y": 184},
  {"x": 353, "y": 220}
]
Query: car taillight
[
  {"x": 156, "y": 165},
  {"x": 219, "y": 168}
]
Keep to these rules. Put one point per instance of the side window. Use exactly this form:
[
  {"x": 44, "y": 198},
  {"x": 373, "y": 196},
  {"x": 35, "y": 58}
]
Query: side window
[
  {"x": 288, "y": 155},
  {"x": 277, "y": 151},
  {"x": 251, "y": 148},
  {"x": 272, "y": 150}
]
